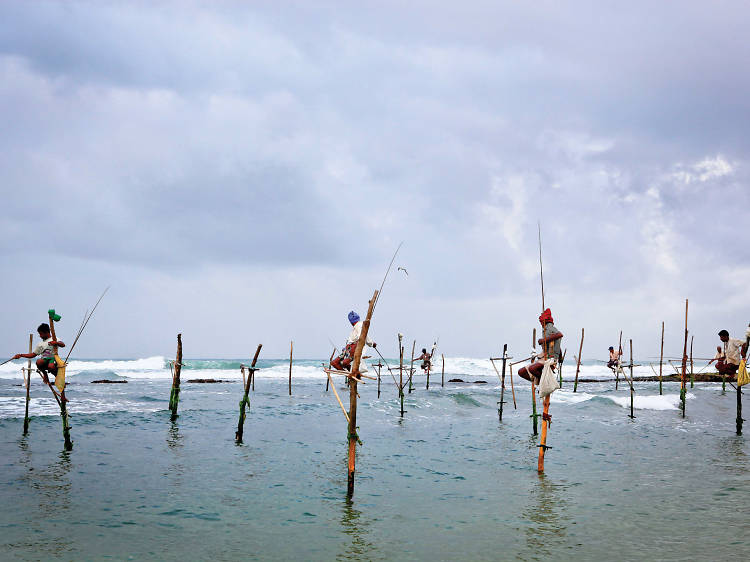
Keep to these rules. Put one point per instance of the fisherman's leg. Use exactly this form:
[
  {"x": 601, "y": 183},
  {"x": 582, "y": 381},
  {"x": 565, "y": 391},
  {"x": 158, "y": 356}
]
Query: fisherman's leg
[{"x": 41, "y": 365}]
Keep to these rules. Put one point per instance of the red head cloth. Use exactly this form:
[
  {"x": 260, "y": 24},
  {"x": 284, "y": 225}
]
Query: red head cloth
[{"x": 546, "y": 316}]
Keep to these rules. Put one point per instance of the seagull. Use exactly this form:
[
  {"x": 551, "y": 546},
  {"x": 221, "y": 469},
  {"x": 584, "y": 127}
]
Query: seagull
[{"x": 404, "y": 270}]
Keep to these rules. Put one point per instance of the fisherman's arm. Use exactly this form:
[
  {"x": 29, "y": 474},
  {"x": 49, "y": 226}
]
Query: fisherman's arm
[
  {"x": 550, "y": 338},
  {"x": 24, "y": 355}
]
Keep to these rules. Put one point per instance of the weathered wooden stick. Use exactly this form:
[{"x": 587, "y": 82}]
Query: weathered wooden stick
[
  {"x": 619, "y": 360},
  {"x": 578, "y": 362},
  {"x": 545, "y": 409},
  {"x": 739, "y": 410},
  {"x": 442, "y": 372},
  {"x": 683, "y": 388},
  {"x": 245, "y": 399},
  {"x": 242, "y": 370},
  {"x": 534, "y": 415},
  {"x": 291, "y": 351},
  {"x": 661, "y": 358},
  {"x": 27, "y": 380},
  {"x": 512, "y": 389},
  {"x": 380, "y": 366},
  {"x": 333, "y": 386},
  {"x": 174, "y": 396},
  {"x": 411, "y": 366},
  {"x": 62, "y": 401},
  {"x": 401, "y": 374},
  {"x": 353, "y": 437},
  {"x": 329, "y": 366},
  {"x": 502, "y": 381},
  {"x": 429, "y": 365},
  {"x": 632, "y": 390}
]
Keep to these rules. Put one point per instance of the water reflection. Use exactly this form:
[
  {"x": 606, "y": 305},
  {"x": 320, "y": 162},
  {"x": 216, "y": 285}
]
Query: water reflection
[
  {"x": 174, "y": 439},
  {"x": 52, "y": 487},
  {"x": 357, "y": 529},
  {"x": 546, "y": 511}
]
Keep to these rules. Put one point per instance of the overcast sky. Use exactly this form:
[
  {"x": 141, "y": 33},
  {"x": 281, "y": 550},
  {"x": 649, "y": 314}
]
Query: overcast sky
[{"x": 242, "y": 172}]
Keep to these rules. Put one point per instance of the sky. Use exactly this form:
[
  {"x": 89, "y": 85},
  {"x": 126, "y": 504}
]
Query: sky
[{"x": 242, "y": 173}]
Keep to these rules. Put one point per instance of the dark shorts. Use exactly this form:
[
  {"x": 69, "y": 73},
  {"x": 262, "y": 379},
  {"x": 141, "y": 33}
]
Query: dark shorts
[{"x": 726, "y": 368}]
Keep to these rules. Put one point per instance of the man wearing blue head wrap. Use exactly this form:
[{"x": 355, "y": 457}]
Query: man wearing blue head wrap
[{"x": 344, "y": 360}]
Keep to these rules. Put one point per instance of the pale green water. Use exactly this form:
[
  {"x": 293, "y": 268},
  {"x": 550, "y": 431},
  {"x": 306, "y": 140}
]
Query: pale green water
[{"x": 447, "y": 482}]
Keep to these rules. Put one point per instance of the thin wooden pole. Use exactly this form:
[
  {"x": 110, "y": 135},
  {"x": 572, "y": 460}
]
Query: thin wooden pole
[
  {"x": 429, "y": 366},
  {"x": 683, "y": 389},
  {"x": 174, "y": 396},
  {"x": 380, "y": 366},
  {"x": 245, "y": 402},
  {"x": 617, "y": 372},
  {"x": 534, "y": 415},
  {"x": 661, "y": 358},
  {"x": 442, "y": 372},
  {"x": 291, "y": 352},
  {"x": 411, "y": 366},
  {"x": 353, "y": 437},
  {"x": 62, "y": 401},
  {"x": 329, "y": 366},
  {"x": 502, "y": 382},
  {"x": 401, "y": 376},
  {"x": 632, "y": 390},
  {"x": 27, "y": 380},
  {"x": 512, "y": 389},
  {"x": 547, "y": 348},
  {"x": 578, "y": 362},
  {"x": 739, "y": 410}
]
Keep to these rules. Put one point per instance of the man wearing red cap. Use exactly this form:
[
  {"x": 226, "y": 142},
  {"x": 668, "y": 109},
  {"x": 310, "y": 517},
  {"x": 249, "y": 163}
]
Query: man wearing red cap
[{"x": 551, "y": 337}]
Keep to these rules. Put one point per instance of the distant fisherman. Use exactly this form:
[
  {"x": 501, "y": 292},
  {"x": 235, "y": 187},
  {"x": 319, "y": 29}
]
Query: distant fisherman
[
  {"x": 732, "y": 350},
  {"x": 551, "y": 336},
  {"x": 719, "y": 355},
  {"x": 614, "y": 357},
  {"x": 344, "y": 360},
  {"x": 46, "y": 363}
]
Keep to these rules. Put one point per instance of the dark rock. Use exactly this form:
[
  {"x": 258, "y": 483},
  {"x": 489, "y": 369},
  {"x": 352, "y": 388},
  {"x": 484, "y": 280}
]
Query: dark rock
[
  {"x": 456, "y": 380},
  {"x": 207, "y": 381},
  {"x": 105, "y": 381}
]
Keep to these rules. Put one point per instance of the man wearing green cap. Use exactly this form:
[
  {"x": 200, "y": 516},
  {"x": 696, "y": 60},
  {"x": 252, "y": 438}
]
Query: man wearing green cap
[{"x": 46, "y": 350}]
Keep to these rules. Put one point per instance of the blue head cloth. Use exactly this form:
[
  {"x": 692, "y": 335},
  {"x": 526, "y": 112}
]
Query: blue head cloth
[{"x": 353, "y": 317}]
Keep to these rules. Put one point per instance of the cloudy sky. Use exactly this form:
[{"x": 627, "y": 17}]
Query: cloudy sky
[{"x": 242, "y": 172}]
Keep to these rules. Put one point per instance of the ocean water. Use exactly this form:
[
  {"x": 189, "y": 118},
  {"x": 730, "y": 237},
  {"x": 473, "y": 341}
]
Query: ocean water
[{"x": 448, "y": 481}]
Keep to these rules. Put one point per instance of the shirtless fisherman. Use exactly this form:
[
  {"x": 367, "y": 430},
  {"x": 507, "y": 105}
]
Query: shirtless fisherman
[{"x": 46, "y": 363}]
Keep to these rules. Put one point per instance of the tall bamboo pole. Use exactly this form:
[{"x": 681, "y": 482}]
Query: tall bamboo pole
[
  {"x": 442, "y": 372},
  {"x": 578, "y": 362},
  {"x": 534, "y": 415},
  {"x": 329, "y": 366},
  {"x": 380, "y": 366},
  {"x": 27, "y": 380},
  {"x": 502, "y": 382},
  {"x": 411, "y": 365},
  {"x": 245, "y": 398},
  {"x": 401, "y": 378},
  {"x": 617, "y": 371},
  {"x": 174, "y": 397},
  {"x": 661, "y": 358},
  {"x": 683, "y": 389},
  {"x": 632, "y": 390},
  {"x": 512, "y": 388},
  {"x": 739, "y": 410},
  {"x": 353, "y": 437},
  {"x": 62, "y": 401},
  {"x": 291, "y": 351}
]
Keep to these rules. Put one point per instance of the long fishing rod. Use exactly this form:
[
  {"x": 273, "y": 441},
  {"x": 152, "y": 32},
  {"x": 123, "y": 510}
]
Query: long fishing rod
[
  {"x": 387, "y": 271},
  {"x": 386, "y": 365},
  {"x": 6, "y": 361},
  {"x": 541, "y": 268},
  {"x": 85, "y": 322}
]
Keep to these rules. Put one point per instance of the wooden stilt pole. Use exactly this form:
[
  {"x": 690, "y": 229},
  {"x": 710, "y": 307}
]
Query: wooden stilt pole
[
  {"x": 632, "y": 390},
  {"x": 401, "y": 373},
  {"x": 245, "y": 402},
  {"x": 512, "y": 388},
  {"x": 62, "y": 401},
  {"x": 534, "y": 415},
  {"x": 174, "y": 396},
  {"x": 291, "y": 352},
  {"x": 329, "y": 366},
  {"x": 661, "y": 358},
  {"x": 502, "y": 382},
  {"x": 27, "y": 380},
  {"x": 739, "y": 410},
  {"x": 683, "y": 387},
  {"x": 442, "y": 372},
  {"x": 429, "y": 366},
  {"x": 380, "y": 366},
  {"x": 617, "y": 372},
  {"x": 353, "y": 437},
  {"x": 411, "y": 366},
  {"x": 578, "y": 363}
]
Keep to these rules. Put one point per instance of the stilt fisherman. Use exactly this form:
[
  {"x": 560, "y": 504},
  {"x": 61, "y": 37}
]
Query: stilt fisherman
[
  {"x": 344, "y": 360},
  {"x": 550, "y": 342}
]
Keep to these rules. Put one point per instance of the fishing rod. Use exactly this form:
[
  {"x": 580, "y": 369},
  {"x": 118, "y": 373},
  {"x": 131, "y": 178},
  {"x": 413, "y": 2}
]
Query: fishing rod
[
  {"x": 86, "y": 319},
  {"x": 386, "y": 365},
  {"x": 387, "y": 271},
  {"x": 6, "y": 361}
]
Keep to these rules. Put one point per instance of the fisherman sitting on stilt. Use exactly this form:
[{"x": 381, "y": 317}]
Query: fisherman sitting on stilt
[
  {"x": 551, "y": 336},
  {"x": 732, "y": 350},
  {"x": 46, "y": 363},
  {"x": 614, "y": 357},
  {"x": 425, "y": 359},
  {"x": 344, "y": 360}
]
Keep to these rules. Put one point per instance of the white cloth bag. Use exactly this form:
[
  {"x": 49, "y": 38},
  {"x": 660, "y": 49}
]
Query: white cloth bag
[{"x": 548, "y": 382}]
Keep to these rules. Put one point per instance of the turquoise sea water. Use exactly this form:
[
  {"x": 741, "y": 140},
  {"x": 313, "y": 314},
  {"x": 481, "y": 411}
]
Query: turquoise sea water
[{"x": 446, "y": 482}]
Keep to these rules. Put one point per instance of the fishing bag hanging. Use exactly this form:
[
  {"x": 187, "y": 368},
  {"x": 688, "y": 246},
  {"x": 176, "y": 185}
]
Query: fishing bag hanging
[
  {"x": 742, "y": 376},
  {"x": 548, "y": 382}
]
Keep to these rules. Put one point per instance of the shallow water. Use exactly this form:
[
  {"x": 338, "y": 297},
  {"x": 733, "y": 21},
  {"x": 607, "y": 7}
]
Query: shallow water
[{"x": 448, "y": 481}]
